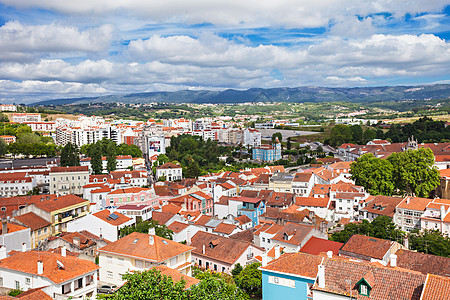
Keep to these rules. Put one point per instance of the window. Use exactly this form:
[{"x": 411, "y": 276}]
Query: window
[
  {"x": 109, "y": 274},
  {"x": 215, "y": 267},
  {"x": 28, "y": 281},
  {"x": 264, "y": 239},
  {"x": 109, "y": 259},
  {"x": 363, "y": 290},
  {"x": 17, "y": 284}
]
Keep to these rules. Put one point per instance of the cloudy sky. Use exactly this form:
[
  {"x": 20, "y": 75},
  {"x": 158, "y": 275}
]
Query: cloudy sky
[{"x": 60, "y": 49}]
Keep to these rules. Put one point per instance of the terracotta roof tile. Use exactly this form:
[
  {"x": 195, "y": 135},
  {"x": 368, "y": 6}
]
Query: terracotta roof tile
[
  {"x": 11, "y": 227},
  {"x": 168, "y": 166},
  {"x": 137, "y": 245},
  {"x": 105, "y": 216},
  {"x": 177, "y": 226},
  {"x": 383, "y": 205},
  {"x": 225, "y": 228},
  {"x": 161, "y": 217},
  {"x": 312, "y": 201},
  {"x": 292, "y": 233},
  {"x": 365, "y": 247},
  {"x": 424, "y": 263},
  {"x": 60, "y": 202},
  {"x": 436, "y": 288},
  {"x": 33, "y": 294},
  {"x": 415, "y": 203},
  {"x": 244, "y": 236},
  {"x": 177, "y": 276},
  {"x": 301, "y": 264},
  {"x": 28, "y": 262},
  {"x": 317, "y": 245},
  {"x": 69, "y": 169},
  {"x": 33, "y": 221},
  {"x": 171, "y": 208},
  {"x": 243, "y": 219}
]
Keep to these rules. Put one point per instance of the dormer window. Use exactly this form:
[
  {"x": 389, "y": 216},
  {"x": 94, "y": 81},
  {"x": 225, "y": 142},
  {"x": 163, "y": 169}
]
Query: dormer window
[
  {"x": 366, "y": 284},
  {"x": 363, "y": 290}
]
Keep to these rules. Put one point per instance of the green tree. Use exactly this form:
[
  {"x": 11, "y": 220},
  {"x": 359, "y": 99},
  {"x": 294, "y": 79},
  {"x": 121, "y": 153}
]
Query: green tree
[
  {"x": 414, "y": 172},
  {"x": 69, "y": 156},
  {"x": 275, "y": 136},
  {"x": 96, "y": 159},
  {"x": 144, "y": 226},
  {"x": 369, "y": 135},
  {"x": 430, "y": 242},
  {"x": 288, "y": 143},
  {"x": 374, "y": 174},
  {"x": 250, "y": 280},
  {"x": 192, "y": 170},
  {"x": 357, "y": 133},
  {"x": 3, "y": 147},
  {"x": 215, "y": 287},
  {"x": 236, "y": 270},
  {"x": 340, "y": 134},
  {"x": 111, "y": 160},
  {"x": 28, "y": 138}
]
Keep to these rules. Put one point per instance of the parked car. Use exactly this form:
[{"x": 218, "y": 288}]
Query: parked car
[{"x": 106, "y": 289}]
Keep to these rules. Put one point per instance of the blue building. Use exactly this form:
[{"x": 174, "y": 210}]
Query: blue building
[
  {"x": 267, "y": 152},
  {"x": 251, "y": 207},
  {"x": 290, "y": 277}
]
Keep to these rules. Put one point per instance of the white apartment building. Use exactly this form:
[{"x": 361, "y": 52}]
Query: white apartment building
[
  {"x": 68, "y": 180},
  {"x": 8, "y": 107},
  {"x": 140, "y": 251},
  {"x": 59, "y": 276},
  {"x": 123, "y": 162},
  {"x": 42, "y": 126},
  {"x": 171, "y": 171},
  {"x": 409, "y": 211},
  {"x": 24, "y": 118},
  {"x": 251, "y": 137},
  {"x": 16, "y": 184}
]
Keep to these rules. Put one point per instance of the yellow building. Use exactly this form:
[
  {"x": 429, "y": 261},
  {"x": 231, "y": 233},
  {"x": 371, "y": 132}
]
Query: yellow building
[{"x": 40, "y": 229}]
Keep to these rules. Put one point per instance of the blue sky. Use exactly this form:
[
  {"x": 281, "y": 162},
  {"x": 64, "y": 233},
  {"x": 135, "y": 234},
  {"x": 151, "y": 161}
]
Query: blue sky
[{"x": 60, "y": 49}]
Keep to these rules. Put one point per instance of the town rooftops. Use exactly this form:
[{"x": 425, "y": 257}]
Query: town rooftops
[
  {"x": 138, "y": 245},
  {"x": 243, "y": 219},
  {"x": 177, "y": 227},
  {"x": 131, "y": 190},
  {"x": 112, "y": 218},
  {"x": 217, "y": 247},
  {"x": 60, "y": 203},
  {"x": 383, "y": 205},
  {"x": 312, "y": 201},
  {"x": 69, "y": 267},
  {"x": 134, "y": 207},
  {"x": 33, "y": 221},
  {"x": 436, "y": 288},
  {"x": 246, "y": 199},
  {"x": 414, "y": 203},
  {"x": 69, "y": 169},
  {"x": 302, "y": 177},
  {"x": 293, "y": 233},
  {"x": 300, "y": 264},
  {"x": 168, "y": 166},
  {"x": 161, "y": 217},
  {"x": 365, "y": 247},
  {"x": 424, "y": 263},
  {"x": 70, "y": 237},
  {"x": 225, "y": 228}
]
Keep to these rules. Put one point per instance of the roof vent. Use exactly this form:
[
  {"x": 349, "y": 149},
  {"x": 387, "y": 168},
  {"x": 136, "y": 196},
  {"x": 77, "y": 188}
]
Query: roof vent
[{"x": 60, "y": 265}]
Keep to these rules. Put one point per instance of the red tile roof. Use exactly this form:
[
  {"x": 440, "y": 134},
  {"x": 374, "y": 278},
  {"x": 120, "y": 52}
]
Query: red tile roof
[
  {"x": 225, "y": 228},
  {"x": 301, "y": 264},
  {"x": 177, "y": 276},
  {"x": 436, "y": 288},
  {"x": 161, "y": 217},
  {"x": 177, "y": 226},
  {"x": 366, "y": 247},
  {"x": 168, "y": 166},
  {"x": 60, "y": 203},
  {"x": 243, "y": 219},
  {"x": 312, "y": 201},
  {"x": 137, "y": 245},
  {"x": 317, "y": 245},
  {"x": 104, "y": 215},
  {"x": 28, "y": 262},
  {"x": 292, "y": 233},
  {"x": 171, "y": 208},
  {"x": 33, "y": 294},
  {"x": 33, "y": 221},
  {"x": 69, "y": 169},
  {"x": 424, "y": 263},
  {"x": 415, "y": 203}
]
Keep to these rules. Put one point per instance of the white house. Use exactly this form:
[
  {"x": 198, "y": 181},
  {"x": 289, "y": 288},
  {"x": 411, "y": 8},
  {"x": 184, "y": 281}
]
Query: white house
[
  {"x": 104, "y": 223},
  {"x": 136, "y": 211},
  {"x": 171, "y": 171},
  {"x": 140, "y": 251},
  {"x": 123, "y": 162},
  {"x": 60, "y": 276},
  {"x": 16, "y": 184}
]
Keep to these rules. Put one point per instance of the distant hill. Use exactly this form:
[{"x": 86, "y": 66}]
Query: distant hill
[{"x": 297, "y": 95}]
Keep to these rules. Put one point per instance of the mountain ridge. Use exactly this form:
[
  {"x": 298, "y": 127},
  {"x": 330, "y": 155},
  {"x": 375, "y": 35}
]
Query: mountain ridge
[{"x": 281, "y": 94}]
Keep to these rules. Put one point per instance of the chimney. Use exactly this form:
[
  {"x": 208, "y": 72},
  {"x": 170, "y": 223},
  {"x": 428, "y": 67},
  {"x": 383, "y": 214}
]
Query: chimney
[
  {"x": 4, "y": 227},
  {"x": 203, "y": 251},
  {"x": 63, "y": 251},
  {"x": 152, "y": 231},
  {"x": 277, "y": 251},
  {"x": 330, "y": 254},
  {"x": 264, "y": 259},
  {"x": 24, "y": 247},
  {"x": 393, "y": 260},
  {"x": 40, "y": 268},
  {"x": 151, "y": 240},
  {"x": 188, "y": 238},
  {"x": 442, "y": 212},
  {"x": 321, "y": 276},
  {"x": 407, "y": 200},
  {"x": 2, "y": 252},
  {"x": 76, "y": 241}
]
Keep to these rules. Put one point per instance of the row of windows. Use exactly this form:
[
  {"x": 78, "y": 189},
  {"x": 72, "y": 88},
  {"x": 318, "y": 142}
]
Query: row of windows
[
  {"x": 282, "y": 281},
  {"x": 67, "y": 178}
]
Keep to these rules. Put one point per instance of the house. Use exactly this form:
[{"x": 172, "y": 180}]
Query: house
[
  {"x": 60, "y": 276},
  {"x": 16, "y": 183},
  {"x": 437, "y": 216},
  {"x": 267, "y": 152},
  {"x": 342, "y": 279},
  {"x": 196, "y": 201},
  {"x": 226, "y": 229},
  {"x": 59, "y": 211},
  {"x": 139, "y": 212},
  {"x": 182, "y": 232},
  {"x": 251, "y": 207},
  {"x": 294, "y": 236},
  {"x": 436, "y": 287},
  {"x": 263, "y": 236},
  {"x": 302, "y": 184},
  {"x": 177, "y": 276},
  {"x": 409, "y": 211},
  {"x": 164, "y": 218},
  {"x": 366, "y": 248},
  {"x": 40, "y": 229},
  {"x": 132, "y": 195},
  {"x": 221, "y": 254},
  {"x": 105, "y": 224},
  {"x": 290, "y": 276},
  {"x": 317, "y": 245},
  {"x": 281, "y": 182},
  {"x": 170, "y": 171},
  {"x": 322, "y": 207},
  {"x": 14, "y": 237},
  {"x": 244, "y": 222},
  {"x": 380, "y": 206},
  {"x": 140, "y": 251},
  {"x": 68, "y": 180}
]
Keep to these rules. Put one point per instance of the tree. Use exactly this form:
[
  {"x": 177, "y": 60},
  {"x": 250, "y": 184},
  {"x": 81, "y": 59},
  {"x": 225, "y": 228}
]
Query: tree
[
  {"x": 340, "y": 134},
  {"x": 3, "y": 147},
  {"x": 430, "y": 241},
  {"x": 192, "y": 170},
  {"x": 70, "y": 156},
  {"x": 250, "y": 280},
  {"x": 374, "y": 174},
  {"x": 96, "y": 159},
  {"x": 414, "y": 172},
  {"x": 357, "y": 133},
  {"x": 236, "y": 270},
  {"x": 111, "y": 159},
  {"x": 212, "y": 288},
  {"x": 144, "y": 226},
  {"x": 275, "y": 136},
  {"x": 369, "y": 135},
  {"x": 288, "y": 143}
]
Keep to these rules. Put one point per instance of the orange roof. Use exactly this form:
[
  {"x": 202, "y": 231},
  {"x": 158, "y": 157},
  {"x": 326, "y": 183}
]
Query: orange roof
[
  {"x": 225, "y": 228},
  {"x": 312, "y": 201},
  {"x": 11, "y": 227},
  {"x": 27, "y": 262},
  {"x": 105, "y": 216},
  {"x": 138, "y": 245},
  {"x": 32, "y": 221},
  {"x": 414, "y": 203},
  {"x": 177, "y": 226},
  {"x": 243, "y": 219},
  {"x": 69, "y": 169},
  {"x": 317, "y": 245},
  {"x": 177, "y": 276},
  {"x": 60, "y": 202},
  {"x": 171, "y": 208}
]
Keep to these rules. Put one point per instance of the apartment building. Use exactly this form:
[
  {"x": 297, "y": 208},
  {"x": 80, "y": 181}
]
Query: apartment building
[
  {"x": 68, "y": 180},
  {"x": 16, "y": 183}
]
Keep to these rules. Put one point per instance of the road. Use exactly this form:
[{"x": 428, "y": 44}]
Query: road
[{"x": 266, "y": 134}]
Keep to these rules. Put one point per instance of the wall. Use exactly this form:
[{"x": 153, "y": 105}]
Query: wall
[
  {"x": 14, "y": 240},
  {"x": 277, "y": 291}
]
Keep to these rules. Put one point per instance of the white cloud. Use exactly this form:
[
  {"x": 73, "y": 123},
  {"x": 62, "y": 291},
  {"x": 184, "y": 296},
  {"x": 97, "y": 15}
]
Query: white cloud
[
  {"x": 20, "y": 42},
  {"x": 290, "y": 13}
]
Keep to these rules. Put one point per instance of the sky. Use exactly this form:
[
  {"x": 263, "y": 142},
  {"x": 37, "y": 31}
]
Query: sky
[{"x": 63, "y": 49}]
